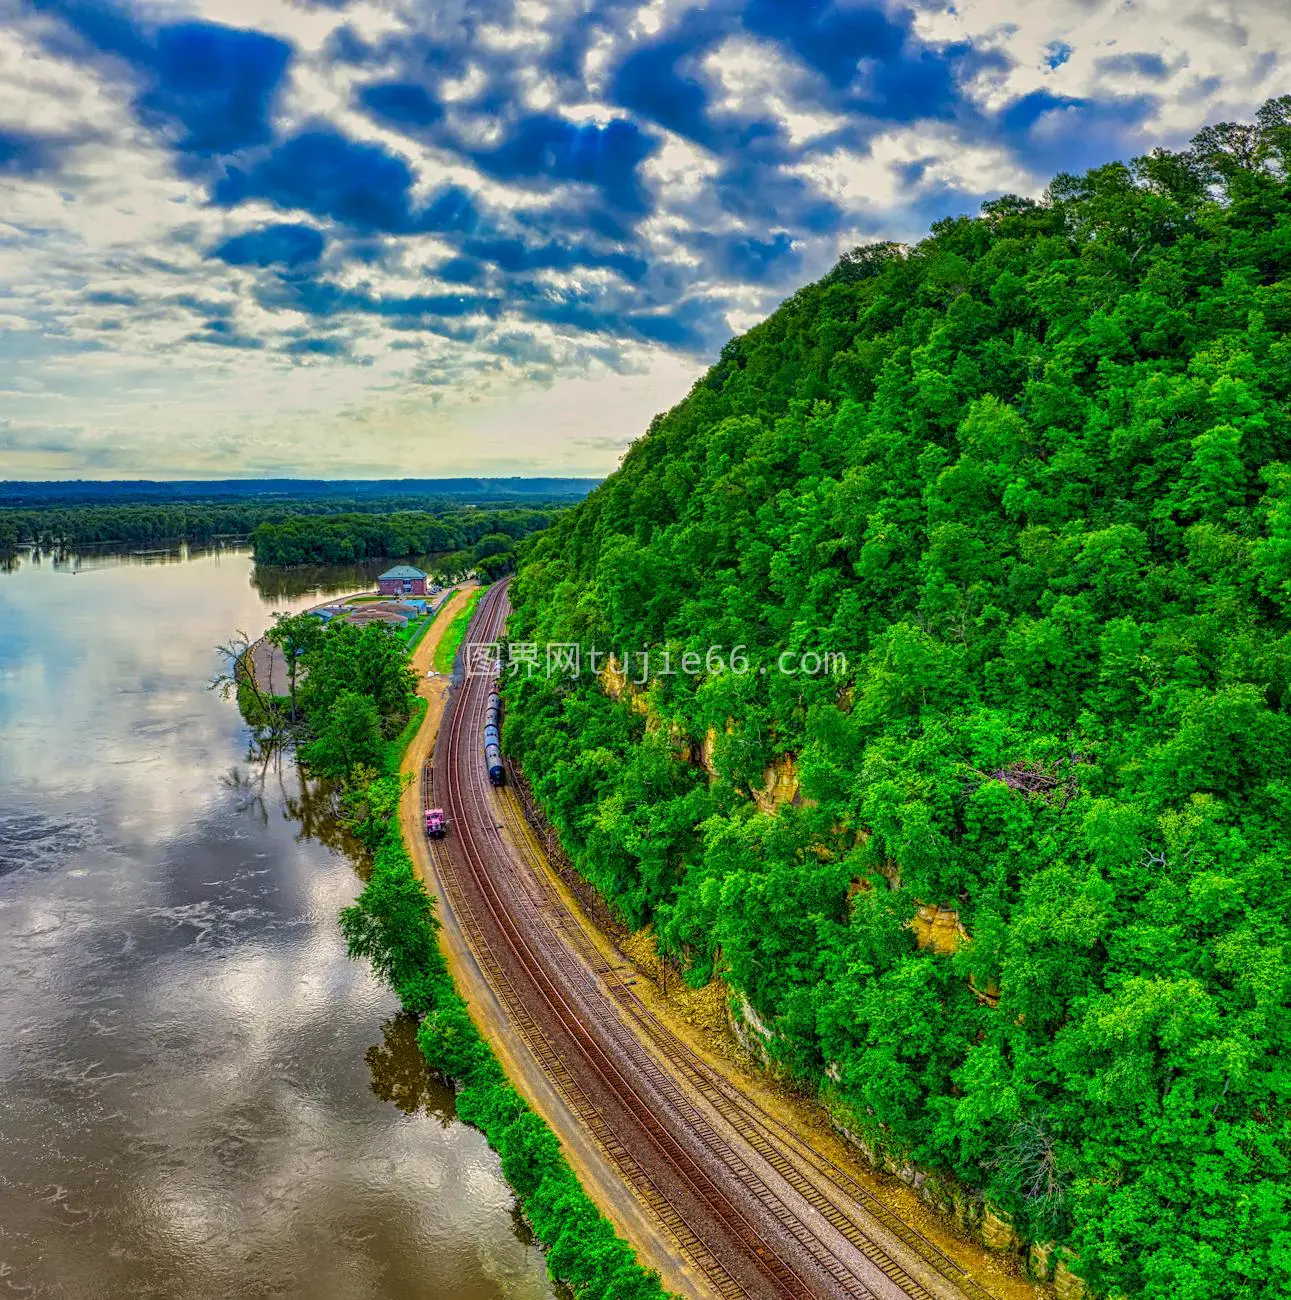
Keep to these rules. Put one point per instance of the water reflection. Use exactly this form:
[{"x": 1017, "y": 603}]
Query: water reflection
[
  {"x": 188, "y": 1105},
  {"x": 276, "y": 582},
  {"x": 271, "y": 780},
  {"x": 399, "y": 1072},
  {"x": 89, "y": 555},
  {"x": 283, "y": 582}
]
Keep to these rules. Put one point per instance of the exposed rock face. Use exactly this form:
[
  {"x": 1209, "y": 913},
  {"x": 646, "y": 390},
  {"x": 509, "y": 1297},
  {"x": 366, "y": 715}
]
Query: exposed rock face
[
  {"x": 997, "y": 1231},
  {"x": 614, "y": 679},
  {"x": 966, "y": 1205},
  {"x": 753, "y": 1033},
  {"x": 706, "y": 752},
  {"x": 616, "y": 683},
  {"x": 1067, "y": 1284},
  {"x": 1040, "y": 1261},
  {"x": 779, "y": 784},
  {"x": 939, "y": 929},
  {"x": 990, "y": 995}
]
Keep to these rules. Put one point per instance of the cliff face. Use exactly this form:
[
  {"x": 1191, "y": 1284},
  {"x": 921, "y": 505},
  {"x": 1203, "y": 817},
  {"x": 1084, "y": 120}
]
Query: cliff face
[{"x": 976, "y": 778}]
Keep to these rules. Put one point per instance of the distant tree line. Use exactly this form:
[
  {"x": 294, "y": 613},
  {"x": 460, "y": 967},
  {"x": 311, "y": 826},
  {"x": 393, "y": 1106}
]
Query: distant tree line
[
  {"x": 309, "y": 531},
  {"x": 466, "y": 538},
  {"x": 68, "y": 527},
  {"x": 359, "y": 494},
  {"x": 1033, "y": 478}
]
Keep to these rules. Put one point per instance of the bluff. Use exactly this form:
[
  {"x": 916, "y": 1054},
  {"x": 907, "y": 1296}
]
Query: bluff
[{"x": 1006, "y": 876}]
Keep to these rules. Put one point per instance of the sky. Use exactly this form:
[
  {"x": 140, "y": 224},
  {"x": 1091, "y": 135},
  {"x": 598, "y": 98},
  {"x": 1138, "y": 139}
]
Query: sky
[{"x": 438, "y": 237}]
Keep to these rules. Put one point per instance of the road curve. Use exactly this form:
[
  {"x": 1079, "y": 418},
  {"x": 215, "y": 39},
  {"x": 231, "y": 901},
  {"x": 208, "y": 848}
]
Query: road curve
[{"x": 753, "y": 1208}]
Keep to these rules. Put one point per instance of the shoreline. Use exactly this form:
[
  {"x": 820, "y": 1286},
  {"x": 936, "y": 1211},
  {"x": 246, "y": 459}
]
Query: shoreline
[
  {"x": 601, "y": 1182},
  {"x": 583, "y": 1246}
]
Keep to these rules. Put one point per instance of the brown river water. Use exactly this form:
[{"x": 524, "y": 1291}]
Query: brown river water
[{"x": 200, "y": 1096}]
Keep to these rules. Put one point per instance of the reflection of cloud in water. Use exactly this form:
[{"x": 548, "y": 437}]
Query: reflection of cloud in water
[
  {"x": 118, "y": 660},
  {"x": 188, "y": 1108}
]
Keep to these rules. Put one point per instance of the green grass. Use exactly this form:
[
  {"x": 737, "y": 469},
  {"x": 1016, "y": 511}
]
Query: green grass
[
  {"x": 395, "y": 747},
  {"x": 446, "y": 650},
  {"x": 405, "y": 633}
]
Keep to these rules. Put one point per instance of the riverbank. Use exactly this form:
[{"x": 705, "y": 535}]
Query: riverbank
[{"x": 392, "y": 925}]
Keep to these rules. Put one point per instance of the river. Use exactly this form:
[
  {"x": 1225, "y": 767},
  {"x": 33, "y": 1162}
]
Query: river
[{"x": 200, "y": 1096}]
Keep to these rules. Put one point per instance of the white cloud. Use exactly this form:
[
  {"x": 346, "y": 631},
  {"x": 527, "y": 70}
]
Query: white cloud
[
  {"x": 1216, "y": 55},
  {"x": 108, "y": 283}
]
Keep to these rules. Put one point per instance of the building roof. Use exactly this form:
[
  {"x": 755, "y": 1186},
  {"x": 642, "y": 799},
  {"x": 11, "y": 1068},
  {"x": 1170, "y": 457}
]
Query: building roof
[{"x": 399, "y": 572}]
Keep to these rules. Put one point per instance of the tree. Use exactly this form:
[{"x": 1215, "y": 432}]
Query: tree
[
  {"x": 350, "y": 738},
  {"x": 1274, "y": 122},
  {"x": 371, "y": 661},
  {"x": 295, "y": 635},
  {"x": 496, "y": 566},
  {"x": 237, "y": 678},
  {"x": 451, "y": 568}
]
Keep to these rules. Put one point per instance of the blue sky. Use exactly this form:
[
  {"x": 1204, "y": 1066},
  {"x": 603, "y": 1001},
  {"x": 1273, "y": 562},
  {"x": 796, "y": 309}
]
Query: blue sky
[{"x": 394, "y": 237}]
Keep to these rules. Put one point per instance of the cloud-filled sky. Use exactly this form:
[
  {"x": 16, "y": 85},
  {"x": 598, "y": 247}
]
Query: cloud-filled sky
[{"x": 434, "y": 237}]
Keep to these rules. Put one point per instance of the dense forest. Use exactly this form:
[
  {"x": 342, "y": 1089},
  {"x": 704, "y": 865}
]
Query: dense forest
[
  {"x": 69, "y": 527},
  {"x": 319, "y": 530},
  {"x": 1011, "y": 888},
  {"x": 472, "y": 537}
]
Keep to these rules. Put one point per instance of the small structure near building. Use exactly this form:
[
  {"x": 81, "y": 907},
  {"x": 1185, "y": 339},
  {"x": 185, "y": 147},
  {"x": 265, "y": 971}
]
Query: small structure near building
[{"x": 402, "y": 580}]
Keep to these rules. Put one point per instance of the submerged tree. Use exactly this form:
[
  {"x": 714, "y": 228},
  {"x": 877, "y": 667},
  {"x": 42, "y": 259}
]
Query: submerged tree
[{"x": 295, "y": 635}]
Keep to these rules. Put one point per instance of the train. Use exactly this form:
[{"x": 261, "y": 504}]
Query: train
[
  {"x": 433, "y": 820},
  {"x": 493, "y": 740}
]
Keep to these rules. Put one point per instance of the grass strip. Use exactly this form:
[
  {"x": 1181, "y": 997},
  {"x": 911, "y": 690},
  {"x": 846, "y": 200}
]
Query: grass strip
[
  {"x": 446, "y": 650},
  {"x": 394, "y": 748}
]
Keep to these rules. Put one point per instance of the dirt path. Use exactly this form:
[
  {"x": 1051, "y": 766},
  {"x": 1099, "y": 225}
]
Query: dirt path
[{"x": 432, "y": 687}]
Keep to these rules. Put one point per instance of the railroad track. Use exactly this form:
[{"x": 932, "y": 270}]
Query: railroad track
[
  {"x": 480, "y": 905},
  {"x": 779, "y": 1146},
  {"x": 779, "y": 1277}
]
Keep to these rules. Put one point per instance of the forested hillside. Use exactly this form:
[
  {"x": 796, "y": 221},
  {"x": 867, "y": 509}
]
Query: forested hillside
[{"x": 1033, "y": 479}]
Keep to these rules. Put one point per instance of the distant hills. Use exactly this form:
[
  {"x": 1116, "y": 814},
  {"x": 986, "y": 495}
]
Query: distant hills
[{"x": 126, "y": 492}]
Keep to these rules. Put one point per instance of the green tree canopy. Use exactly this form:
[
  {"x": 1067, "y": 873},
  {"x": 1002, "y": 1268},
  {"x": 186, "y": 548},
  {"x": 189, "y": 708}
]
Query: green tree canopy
[{"x": 1031, "y": 479}]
